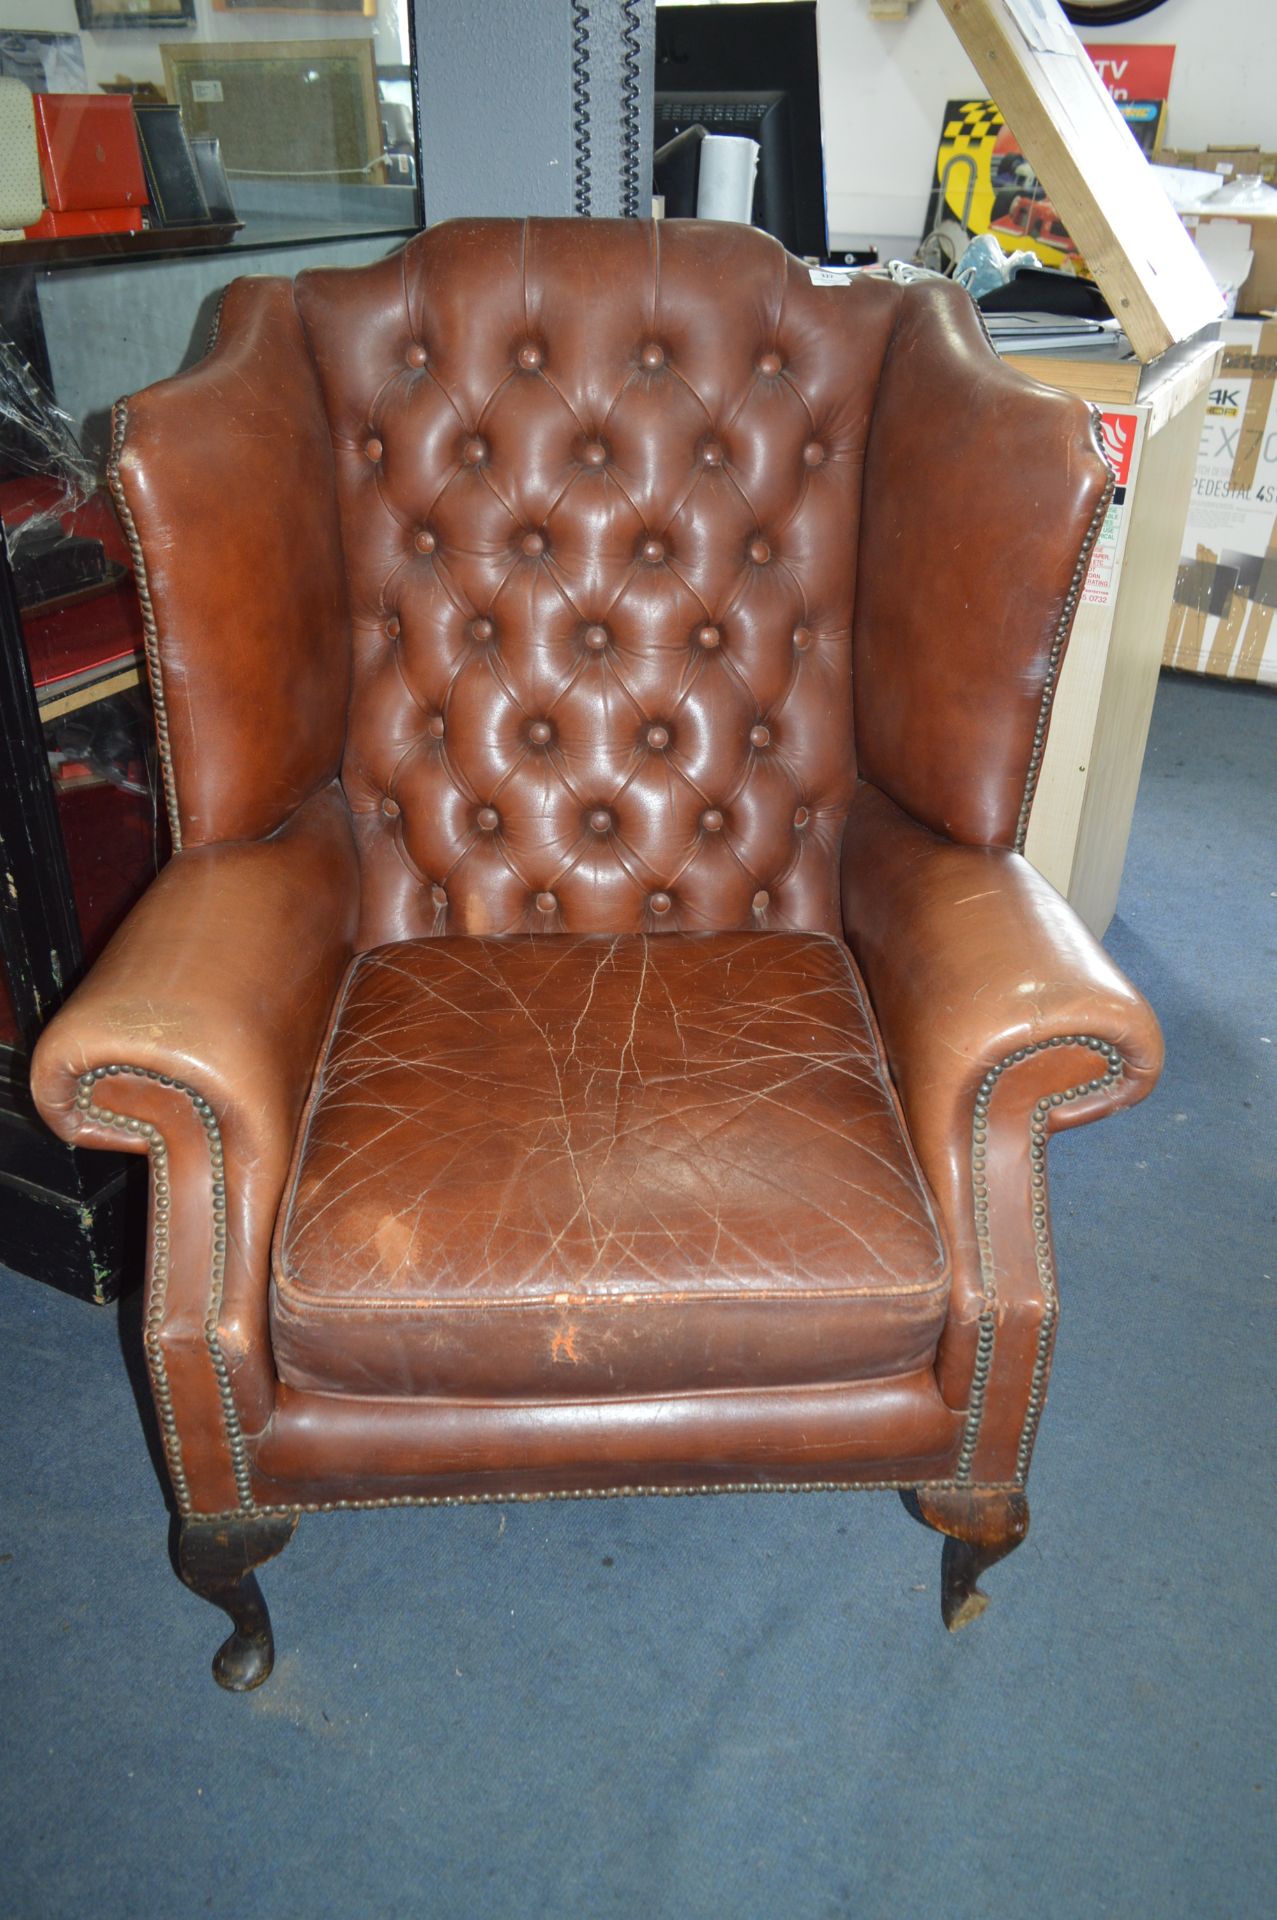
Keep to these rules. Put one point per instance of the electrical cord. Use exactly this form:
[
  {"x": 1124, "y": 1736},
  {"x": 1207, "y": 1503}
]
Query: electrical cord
[
  {"x": 630, "y": 95},
  {"x": 581, "y": 188}
]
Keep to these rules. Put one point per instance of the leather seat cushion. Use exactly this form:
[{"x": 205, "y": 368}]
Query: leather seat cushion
[{"x": 593, "y": 1167}]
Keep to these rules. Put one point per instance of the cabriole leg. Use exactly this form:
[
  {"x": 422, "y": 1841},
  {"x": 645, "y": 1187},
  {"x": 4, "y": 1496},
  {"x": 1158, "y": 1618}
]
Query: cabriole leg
[
  {"x": 216, "y": 1559},
  {"x": 981, "y": 1529}
]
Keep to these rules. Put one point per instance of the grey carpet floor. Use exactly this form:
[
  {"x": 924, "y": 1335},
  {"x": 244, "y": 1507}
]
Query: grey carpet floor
[{"x": 736, "y": 1706}]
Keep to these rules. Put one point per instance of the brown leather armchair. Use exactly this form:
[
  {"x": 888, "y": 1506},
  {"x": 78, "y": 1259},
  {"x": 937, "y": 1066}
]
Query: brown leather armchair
[{"x": 597, "y": 1033}]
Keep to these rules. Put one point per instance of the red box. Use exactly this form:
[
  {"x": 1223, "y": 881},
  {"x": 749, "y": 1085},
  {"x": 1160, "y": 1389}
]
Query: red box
[
  {"x": 89, "y": 153},
  {"x": 70, "y": 226}
]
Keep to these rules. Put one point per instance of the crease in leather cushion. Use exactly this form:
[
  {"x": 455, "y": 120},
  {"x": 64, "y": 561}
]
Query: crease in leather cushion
[{"x": 601, "y": 1166}]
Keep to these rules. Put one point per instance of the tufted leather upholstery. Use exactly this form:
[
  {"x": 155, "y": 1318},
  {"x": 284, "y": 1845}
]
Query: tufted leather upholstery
[
  {"x": 601, "y": 564},
  {"x": 601, "y": 679}
]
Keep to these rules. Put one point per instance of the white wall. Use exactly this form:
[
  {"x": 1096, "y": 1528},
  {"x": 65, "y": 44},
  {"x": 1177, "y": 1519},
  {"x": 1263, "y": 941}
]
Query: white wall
[{"x": 884, "y": 86}]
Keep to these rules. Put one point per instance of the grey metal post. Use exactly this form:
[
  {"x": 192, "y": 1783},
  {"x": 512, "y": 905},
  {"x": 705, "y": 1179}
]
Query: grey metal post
[{"x": 535, "y": 106}]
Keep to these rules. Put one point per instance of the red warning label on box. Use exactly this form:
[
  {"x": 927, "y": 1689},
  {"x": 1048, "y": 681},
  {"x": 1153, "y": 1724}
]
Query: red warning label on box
[{"x": 1117, "y": 434}]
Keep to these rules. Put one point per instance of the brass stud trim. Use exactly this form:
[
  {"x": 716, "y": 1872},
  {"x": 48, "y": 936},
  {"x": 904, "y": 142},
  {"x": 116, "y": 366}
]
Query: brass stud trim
[
  {"x": 617, "y": 1493},
  {"x": 160, "y": 1257},
  {"x": 216, "y": 328},
  {"x": 150, "y": 630},
  {"x": 986, "y": 1336},
  {"x": 1056, "y": 659}
]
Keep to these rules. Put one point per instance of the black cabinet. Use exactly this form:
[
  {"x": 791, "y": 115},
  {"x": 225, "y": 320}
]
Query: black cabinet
[{"x": 78, "y": 843}]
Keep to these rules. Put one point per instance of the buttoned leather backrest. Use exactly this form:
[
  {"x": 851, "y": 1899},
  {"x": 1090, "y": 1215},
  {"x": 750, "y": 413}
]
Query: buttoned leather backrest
[
  {"x": 599, "y": 489},
  {"x": 545, "y": 542}
]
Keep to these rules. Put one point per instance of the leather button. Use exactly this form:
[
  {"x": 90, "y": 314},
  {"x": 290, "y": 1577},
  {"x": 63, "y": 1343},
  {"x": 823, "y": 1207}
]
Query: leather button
[
  {"x": 759, "y": 552},
  {"x": 596, "y": 638},
  {"x": 481, "y": 629},
  {"x": 759, "y": 736},
  {"x": 761, "y": 901},
  {"x": 390, "y": 808},
  {"x": 373, "y": 449},
  {"x": 653, "y": 550},
  {"x": 813, "y": 454},
  {"x": 392, "y": 626},
  {"x": 533, "y": 544},
  {"x": 546, "y": 903},
  {"x": 660, "y": 902},
  {"x": 488, "y": 819},
  {"x": 712, "y": 454},
  {"x": 438, "y": 897},
  {"x": 594, "y": 453},
  {"x": 475, "y": 452},
  {"x": 540, "y": 733},
  {"x": 802, "y": 638},
  {"x": 652, "y": 356},
  {"x": 530, "y": 356},
  {"x": 416, "y": 355},
  {"x": 708, "y": 637},
  {"x": 658, "y": 737},
  {"x": 712, "y": 820},
  {"x": 801, "y": 816},
  {"x": 434, "y": 726},
  {"x": 600, "y": 820},
  {"x": 768, "y": 363},
  {"x": 424, "y": 541}
]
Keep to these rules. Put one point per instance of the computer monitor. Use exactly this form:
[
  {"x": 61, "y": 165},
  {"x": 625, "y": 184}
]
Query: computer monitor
[{"x": 752, "y": 70}]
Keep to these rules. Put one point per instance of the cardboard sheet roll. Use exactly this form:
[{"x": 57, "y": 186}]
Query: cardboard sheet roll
[{"x": 725, "y": 190}]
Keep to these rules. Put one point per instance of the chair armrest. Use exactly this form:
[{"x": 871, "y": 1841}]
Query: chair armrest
[
  {"x": 1002, "y": 1021},
  {"x": 194, "y": 1038},
  {"x": 971, "y": 957}
]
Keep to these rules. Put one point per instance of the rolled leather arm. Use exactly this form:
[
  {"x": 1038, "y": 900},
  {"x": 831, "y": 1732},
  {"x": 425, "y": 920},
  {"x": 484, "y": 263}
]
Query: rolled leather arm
[
  {"x": 1002, "y": 1019},
  {"x": 194, "y": 1037},
  {"x": 970, "y": 956}
]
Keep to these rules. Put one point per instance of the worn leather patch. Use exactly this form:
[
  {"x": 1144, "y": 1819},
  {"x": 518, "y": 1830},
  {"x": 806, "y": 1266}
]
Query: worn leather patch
[{"x": 604, "y": 1166}]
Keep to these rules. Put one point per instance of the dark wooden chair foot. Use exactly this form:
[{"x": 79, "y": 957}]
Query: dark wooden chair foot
[
  {"x": 215, "y": 1559},
  {"x": 981, "y": 1529}
]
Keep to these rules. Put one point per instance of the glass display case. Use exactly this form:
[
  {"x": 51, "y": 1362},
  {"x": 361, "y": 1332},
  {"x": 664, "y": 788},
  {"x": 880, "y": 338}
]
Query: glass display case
[{"x": 171, "y": 148}]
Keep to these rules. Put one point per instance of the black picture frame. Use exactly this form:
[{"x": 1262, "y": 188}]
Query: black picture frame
[
  {"x": 94, "y": 15},
  {"x": 177, "y": 198}
]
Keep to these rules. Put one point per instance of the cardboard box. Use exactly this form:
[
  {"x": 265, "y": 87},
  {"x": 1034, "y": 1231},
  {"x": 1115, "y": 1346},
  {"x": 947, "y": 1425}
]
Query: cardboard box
[
  {"x": 1225, "y": 160},
  {"x": 1258, "y": 291},
  {"x": 1226, "y": 590}
]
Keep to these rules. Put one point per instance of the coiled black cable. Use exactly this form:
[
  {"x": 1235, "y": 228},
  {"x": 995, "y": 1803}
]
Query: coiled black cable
[
  {"x": 581, "y": 194},
  {"x": 630, "y": 95}
]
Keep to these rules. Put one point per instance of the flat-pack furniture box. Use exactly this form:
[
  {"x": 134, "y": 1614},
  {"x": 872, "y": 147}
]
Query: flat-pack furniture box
[
  {"x": 1257, "y": 294},
  {"x": 1226, "y": 589},
  {"x": 1229, "y": 161}
]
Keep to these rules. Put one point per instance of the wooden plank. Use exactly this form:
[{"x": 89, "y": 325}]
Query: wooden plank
[
  {"x": 1165, "y": 384},
  {"x": 1099, "y": 182},
  {"x": 89, "y": 694},
  {"x": 1108, "y": 383}
]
